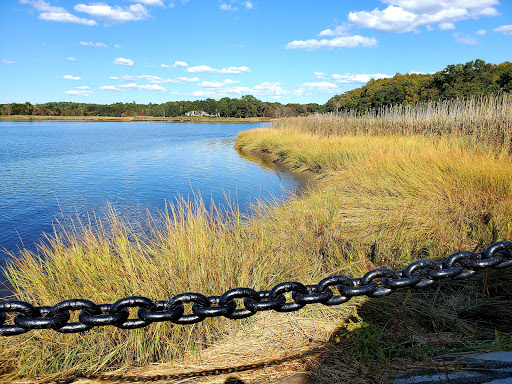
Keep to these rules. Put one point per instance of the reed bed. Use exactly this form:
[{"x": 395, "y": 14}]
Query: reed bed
[
  {"x": 391, "y": 190},
  {"x": 484, "y": 120}
]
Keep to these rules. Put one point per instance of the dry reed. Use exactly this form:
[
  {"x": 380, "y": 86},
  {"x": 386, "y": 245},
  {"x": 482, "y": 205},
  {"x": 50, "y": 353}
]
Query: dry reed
[{"x": 484, "y": 120}]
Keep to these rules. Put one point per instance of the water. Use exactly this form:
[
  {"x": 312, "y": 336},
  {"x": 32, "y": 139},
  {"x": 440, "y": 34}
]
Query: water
[{"x": 53, "y": 170}]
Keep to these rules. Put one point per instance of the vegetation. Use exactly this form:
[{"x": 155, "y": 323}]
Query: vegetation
[
  {"x": 461, "y": 81},
  {"x": 475, "y": 78},
  {"x": 397, "y": 184},
  {"x": 397, "y": 194},
  {"x": 244, "y": 107}
]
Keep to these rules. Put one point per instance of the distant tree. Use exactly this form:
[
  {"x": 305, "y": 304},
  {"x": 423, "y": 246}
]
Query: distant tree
[{"x": 6, "y": 110}]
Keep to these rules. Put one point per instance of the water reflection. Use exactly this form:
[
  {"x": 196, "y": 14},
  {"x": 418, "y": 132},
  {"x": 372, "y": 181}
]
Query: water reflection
[{"x": 303, "y": 180}]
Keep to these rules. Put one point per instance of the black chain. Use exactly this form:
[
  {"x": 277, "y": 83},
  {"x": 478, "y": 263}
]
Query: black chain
[{"x": 376, "y": 283}]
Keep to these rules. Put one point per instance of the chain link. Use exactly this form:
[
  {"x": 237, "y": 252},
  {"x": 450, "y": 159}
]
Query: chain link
[{"x": 376, "y": 283}]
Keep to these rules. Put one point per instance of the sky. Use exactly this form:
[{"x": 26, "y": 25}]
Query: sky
[{"x": 297, "y": 51}]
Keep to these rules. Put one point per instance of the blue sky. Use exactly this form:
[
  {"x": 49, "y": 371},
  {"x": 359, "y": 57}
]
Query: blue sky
[{"x": 277, "y": 50}]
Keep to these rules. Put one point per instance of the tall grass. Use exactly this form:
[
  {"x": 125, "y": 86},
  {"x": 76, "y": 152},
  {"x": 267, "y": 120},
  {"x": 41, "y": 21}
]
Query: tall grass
[
  {"x": 485, "y": 120},
  {"x": 393, "y": 189},
  {"x": 187, "y": 249},
  {"x": 394, "y": 198}
]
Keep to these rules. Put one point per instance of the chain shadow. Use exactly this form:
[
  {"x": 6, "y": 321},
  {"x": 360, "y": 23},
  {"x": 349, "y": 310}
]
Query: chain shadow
[{"x": 409, "y": 328}]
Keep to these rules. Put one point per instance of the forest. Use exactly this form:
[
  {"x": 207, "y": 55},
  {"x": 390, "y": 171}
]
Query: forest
[{"x": 459, "y": 81}]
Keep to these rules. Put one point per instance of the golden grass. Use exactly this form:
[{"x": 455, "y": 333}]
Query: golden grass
[
  {"x": 386, "y": 197},
  {"x": 194, "y": 250},
  {"x": 397, "y": 197}
]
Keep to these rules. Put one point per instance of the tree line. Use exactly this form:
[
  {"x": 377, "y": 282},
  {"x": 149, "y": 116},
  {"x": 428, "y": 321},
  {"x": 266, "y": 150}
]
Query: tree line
[
  {"x": 474, "y": 78},
  {"x": 246, "y": 106},
  {"x": 460, "y": 81}
]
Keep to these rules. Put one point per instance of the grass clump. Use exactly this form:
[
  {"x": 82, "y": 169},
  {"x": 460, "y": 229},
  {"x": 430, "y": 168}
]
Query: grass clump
[{"x": 395, "y": 186}]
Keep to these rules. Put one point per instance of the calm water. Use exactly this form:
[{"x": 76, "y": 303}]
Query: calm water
[{"x": 54, "y": 170}]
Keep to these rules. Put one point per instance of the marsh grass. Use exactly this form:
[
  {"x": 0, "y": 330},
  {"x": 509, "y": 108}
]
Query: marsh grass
[
  {"x": 187, "y": 249},
  {"x": 391, "y": 190},
  {"x": 483, "y": 121}
]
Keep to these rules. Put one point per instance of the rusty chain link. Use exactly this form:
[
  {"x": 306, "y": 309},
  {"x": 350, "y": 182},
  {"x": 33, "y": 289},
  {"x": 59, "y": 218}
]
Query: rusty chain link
[{"x": 376, "y": 283}]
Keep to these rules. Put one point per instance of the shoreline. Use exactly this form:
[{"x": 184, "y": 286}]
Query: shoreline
[{"x": 150, "y": 119}]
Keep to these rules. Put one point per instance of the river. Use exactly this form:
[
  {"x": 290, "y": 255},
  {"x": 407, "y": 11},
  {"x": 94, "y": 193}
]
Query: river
[{"x": 55, "y": 170}]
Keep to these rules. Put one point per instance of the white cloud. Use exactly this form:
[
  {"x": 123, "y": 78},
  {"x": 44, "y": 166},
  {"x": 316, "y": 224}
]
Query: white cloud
[
  {"x": 359, "y": 78},
  {"x": 338, "y": 31},
  {"x": 489, "y": 12},
  {"x": 217, "y": 84},
  {"x": 433, "y": 6},
  {"x": 70, "y": 59},
  {"x": 234, "y": 5},
  {"x": 481, "y": 32},
  {"x": 172, "y": 3},
  {"x": 392, "y": 19},
  {"x": 8, "y": 62},
  {"x": 152, "y": 87},
  {"x": 75, "y": 92},
  {"x": 42, "y": 6},
  {"x": 177, "y": 64},
  {"x": 156, "y": 79},
  {"x": 446, "y": 26},
  {"x": 409, "y": 15},
  {"x": 117, "y": 46},
  {"x": 202, "y": 93},
  {"x": 153, "y": 3},
  {"x": 223, "y": 71},
  {"x": 227, "y": 7},
  {"x": 320, "y": 75},
  {"x": 69, "y": 77},
  {"x": 270, "y": 89},
  {"x": 64, "y": 17},
  {"x": 51, "y": 13},
  {"x": 267, "y": 89},
  {"x": 505, "y": 29},
  {"x": 110, "y": 88},
  {"x": 83, "y": 87},
  {"x": 123, "y": 61},
  {"x": 273, "y": 90},
  {"x": 200, "y": 69},
  {"x": 114, "y": 14},
  {"x": 212, "y": 84},
  {"x": 91, "y": 44},
  {"x": 466, "y": 39},
  {"x": 338, "y": 42},
  {"x": 133, "y": 86},
  {"x": 149, "y": 78},
  {"x": 238, "y": 91},
  {"x": 181, "y": 80},
  {"x": 320, "y": 86}
]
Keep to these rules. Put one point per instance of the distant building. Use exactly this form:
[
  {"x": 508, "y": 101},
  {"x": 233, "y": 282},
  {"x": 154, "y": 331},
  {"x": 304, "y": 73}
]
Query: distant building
[{"x": 200, "y": 113}]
